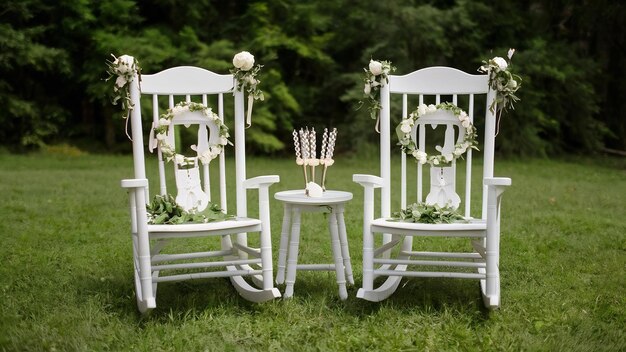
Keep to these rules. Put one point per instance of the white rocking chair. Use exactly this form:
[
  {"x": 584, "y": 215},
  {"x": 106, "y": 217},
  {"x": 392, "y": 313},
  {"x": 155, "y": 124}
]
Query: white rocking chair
[
  {"x": 237, "y": 258},
  {"x": 395, "y": 257}
]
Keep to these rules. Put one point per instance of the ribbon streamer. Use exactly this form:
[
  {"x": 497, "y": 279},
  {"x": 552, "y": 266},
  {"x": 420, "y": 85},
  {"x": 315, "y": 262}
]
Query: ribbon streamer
[{"x": 249, "y": 115}]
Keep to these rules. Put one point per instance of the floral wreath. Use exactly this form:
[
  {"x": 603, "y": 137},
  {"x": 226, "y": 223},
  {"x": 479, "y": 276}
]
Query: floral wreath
[
  {"x": 502, "y": 81},
  {"x": 124, "y": 69},
  {"x": 245, "y": 73},
  {"x": 408, "y": 145},
  {"x": 376, "y": 75},
  {"x": 168, "y": 151}
]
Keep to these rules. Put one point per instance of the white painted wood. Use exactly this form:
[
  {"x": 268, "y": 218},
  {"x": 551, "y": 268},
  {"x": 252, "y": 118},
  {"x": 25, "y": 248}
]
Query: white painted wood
[
  {"x": 438, "y": 83},
  {"x": 237, "y": 260},
  {"x": 295, "y": 203}
]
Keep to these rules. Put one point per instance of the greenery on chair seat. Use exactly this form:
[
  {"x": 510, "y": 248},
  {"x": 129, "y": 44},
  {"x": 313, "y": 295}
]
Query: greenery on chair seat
[
  {"x": 427, "y": 214},
  {"x": 165, "y": 210}
]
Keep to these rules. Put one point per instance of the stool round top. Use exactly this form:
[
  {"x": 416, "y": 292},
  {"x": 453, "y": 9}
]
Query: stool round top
[{"x": 298, "y": 196}]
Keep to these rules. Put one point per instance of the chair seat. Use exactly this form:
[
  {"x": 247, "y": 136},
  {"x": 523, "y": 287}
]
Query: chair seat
[
  {"x": 472, "y": 228},
  {"x": 227, "y": 226}
]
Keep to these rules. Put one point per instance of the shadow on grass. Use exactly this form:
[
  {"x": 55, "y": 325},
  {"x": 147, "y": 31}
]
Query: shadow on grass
[{"x": 178, "y": 301}]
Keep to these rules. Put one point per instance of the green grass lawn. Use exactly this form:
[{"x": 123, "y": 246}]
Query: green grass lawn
[{"x": 66, "y": 280}]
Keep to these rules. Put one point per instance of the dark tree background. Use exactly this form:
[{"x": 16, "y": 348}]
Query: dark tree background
[{"x": 569, "y": 54}]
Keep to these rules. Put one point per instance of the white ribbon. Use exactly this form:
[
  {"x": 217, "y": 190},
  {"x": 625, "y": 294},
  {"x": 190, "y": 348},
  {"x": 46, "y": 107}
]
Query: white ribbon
[{"x": 249, "y": 115}]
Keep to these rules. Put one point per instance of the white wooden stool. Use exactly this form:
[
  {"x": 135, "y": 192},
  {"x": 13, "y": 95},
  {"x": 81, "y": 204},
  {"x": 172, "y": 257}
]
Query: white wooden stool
[{"x": 295, "y": 202}]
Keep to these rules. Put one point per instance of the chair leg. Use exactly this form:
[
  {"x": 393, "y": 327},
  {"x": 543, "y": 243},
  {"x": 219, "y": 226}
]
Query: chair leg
[
  {"x": 145, "y": 288},
  {"x": 368, "y": 260},
  {"x": 284, "y": 242}
]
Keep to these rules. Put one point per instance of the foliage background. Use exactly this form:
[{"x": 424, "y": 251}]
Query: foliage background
[{"x": 569, "y": 53}]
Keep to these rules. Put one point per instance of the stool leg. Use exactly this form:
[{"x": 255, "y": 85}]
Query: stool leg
[
  {"x": 336, "y": 247},
  {"x": 343, "y": 238},
  {"x": 294, "y": 243},
  {"x": 284, "y": 238}
]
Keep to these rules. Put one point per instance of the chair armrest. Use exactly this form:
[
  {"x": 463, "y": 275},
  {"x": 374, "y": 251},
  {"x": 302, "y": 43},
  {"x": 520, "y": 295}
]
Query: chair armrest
[
  {"x": 260, "y": 181},
  {"x": 134, "y": 183},
  {"x": 369, "y": 183},
  {"x": 368, "y": 180},
  {"x": 497, "y": 181}
]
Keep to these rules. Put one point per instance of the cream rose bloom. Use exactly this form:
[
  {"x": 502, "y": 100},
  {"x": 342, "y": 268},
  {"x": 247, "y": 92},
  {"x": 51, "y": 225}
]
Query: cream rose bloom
[
  {"x": 405, "y": 126},
  {"x": 124, "y": 64},
  {"x": 421, "y": 110},
  {"x": 164, "y": 122},
  {"x": 376, "y": 68},
  {"x": 243, "y": 60},
  {"x": 501, "y": 63}
]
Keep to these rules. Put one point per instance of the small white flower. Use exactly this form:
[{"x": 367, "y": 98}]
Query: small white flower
[
  {"x": 422, "y": 109},
  {"x": 367, "y": 89},
  {"x": 179, "y": 159},
  {"x": 431, "y": 108},
  {"x": 416, "y": 214},
  {"x": 448, "y": 157},
  {"x": 178, "y": 109},
  {"x": 251, "y": 80},
  {"x": 466, "y": 123},
  {"x": 405, "y": 127},
  {"x": 164, "y": 122},
  {"x": 161, "y": 136},
  {"x": 510, "y": 53},
  {"x": 500, "y": 62},
  {"x": 223, "y": 141},
  {"x": 243, "y": 60},
  {"x": 120, "y": 81},
  {"x": 512, "y": 84},
  {"x": 435, "y": 161},
  {"x": 376, "y": 68},
  {"x": 458, "y": 151}
]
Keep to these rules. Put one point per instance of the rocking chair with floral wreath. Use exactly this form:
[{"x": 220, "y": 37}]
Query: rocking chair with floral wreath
[
  {"x": 446, "y": 98},
  {"x": 190, "y": 101}
]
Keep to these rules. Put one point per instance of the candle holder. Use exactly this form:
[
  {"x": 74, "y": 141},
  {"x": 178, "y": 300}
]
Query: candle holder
[{"x": 305, "y": 147}]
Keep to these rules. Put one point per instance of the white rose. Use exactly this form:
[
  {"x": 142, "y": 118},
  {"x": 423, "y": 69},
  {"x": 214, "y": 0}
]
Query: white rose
[
  {"x": 124, "y": 64},
  {"x": 463, "y": 115},
  {"x": 435, "y": 161},
  {"x": 243, "y": 60},
  {"x": 367, "y": 89},
  {"x": 458, "y": 151},
  {"x": 501, "y": 63},
  {"x": 421, "y": 110},
  {"x": 120, "y": 81},
  {"x": 432, "y": 108},
  {"x": 466, "y": 123},
  {"x": 164, "y": 122},
  {"x": 448, "y": 157},
  {"x": 512, "y": 84},
  {"x": 405, "y": 127},
  {"x": 376, "y": 67},
  {"x": 160, "y": 136},
  {"x": 178, "y": 109},
  {"x": 179, "y": 159}
]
